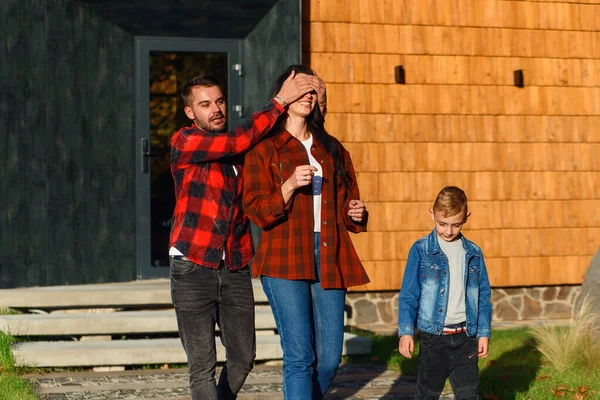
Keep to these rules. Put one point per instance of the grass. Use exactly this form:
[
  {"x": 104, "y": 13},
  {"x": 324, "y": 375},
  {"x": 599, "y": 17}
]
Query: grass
[
  {"x": 514, "y": 368},
  {"x": 565, "y": 348},
  {"x": 9, "y": 311},
  {"x": 11, "y": 386}
]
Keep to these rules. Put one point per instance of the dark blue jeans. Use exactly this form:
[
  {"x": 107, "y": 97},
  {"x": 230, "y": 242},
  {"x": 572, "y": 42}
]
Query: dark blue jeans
[
  {"x": 310, "y": 321},
  {"x": 205, "y": 296},
  {"x": 440, "y": 357}
]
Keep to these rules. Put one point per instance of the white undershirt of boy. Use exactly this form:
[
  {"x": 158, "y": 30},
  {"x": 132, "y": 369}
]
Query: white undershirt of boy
[{"x": 456, "y": 312}]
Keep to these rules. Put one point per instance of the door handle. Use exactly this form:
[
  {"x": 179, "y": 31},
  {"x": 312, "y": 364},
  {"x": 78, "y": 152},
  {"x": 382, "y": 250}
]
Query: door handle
[{"x": 146, "y": 154}]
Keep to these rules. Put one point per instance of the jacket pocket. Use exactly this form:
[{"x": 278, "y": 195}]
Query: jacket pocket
[
  {"x": 430, "y": 272},
  {"x": 474, "y": 271}
]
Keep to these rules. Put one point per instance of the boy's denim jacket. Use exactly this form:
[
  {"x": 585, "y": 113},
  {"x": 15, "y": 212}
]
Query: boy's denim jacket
[{"x": 424, "y": 295}]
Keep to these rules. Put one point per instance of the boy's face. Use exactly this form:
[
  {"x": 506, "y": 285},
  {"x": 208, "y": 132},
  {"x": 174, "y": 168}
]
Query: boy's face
[{"x": 448, "y": 228}]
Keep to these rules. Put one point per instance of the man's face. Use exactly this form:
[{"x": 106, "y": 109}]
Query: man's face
[
  {"x": 207, "y": 108},
  {"x": 448, "y": 228}
]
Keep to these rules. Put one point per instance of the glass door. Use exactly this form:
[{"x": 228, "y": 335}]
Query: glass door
[{"x": 164, "y": 65}]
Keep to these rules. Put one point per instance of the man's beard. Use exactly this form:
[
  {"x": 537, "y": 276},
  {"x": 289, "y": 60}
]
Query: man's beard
[{"x": 205, "y": 126}]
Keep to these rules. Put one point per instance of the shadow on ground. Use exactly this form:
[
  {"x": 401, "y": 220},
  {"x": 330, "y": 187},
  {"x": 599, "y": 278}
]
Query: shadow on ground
[{"x": 519, "y": 367}]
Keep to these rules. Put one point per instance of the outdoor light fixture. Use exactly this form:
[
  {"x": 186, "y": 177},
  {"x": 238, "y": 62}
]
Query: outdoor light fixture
[
  {"x": 399, "y": 74},
  {"x": 519, "y": 80}
]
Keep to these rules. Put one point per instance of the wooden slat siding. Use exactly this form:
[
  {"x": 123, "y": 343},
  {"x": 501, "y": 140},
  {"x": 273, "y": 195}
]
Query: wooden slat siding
[
  {"x": 491, "y": 186},
  {"x": 462, "y": 128},
  {"x": 503, "y": 272},
  {"x": 334, "y": 37},
  {"x": 455, "y": 70},
  {"x": 444, "y": 157},
  {"x": 469, "y": 100},
  {"x": 389, "y": 217},
  {"x": 494, "y": 185},
  {"x": 527, "y": 158},
  {"x": 495, "y": 243},
  {"x": 467, "y": 13},
  {"x": 592, "y": 2}
]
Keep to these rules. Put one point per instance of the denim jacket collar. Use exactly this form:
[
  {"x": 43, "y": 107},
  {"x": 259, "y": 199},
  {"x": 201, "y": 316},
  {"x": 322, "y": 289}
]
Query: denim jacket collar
[{"x": 433, "y": 246}]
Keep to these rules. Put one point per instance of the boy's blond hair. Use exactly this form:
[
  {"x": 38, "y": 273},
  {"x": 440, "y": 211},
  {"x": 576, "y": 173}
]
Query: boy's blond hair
[{"x": 450, "y": 201}]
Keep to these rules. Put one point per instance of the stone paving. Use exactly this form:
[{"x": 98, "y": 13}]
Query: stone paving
[{"x": 353, "y": 382}]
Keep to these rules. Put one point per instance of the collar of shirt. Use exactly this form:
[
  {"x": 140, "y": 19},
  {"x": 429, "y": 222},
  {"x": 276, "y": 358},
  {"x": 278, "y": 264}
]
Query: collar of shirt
[{"x": 282, "y": 138}]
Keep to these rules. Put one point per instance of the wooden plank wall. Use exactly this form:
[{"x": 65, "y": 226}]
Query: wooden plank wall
[{"x": 528, "y": 158}]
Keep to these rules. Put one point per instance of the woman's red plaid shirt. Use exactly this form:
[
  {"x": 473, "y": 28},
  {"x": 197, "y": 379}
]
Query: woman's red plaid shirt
[{"x": 286, "y": 248}]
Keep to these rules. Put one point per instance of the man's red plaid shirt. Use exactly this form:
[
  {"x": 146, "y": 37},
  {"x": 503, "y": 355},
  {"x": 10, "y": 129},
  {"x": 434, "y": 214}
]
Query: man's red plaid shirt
[
  {"x": 208, "y": 218},
  {"x": 286, "y": 248}
]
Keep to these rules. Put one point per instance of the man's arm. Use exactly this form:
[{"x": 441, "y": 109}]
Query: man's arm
[
  {"x": 189, "y": 147},
  {"x": 193, "y": 146}
]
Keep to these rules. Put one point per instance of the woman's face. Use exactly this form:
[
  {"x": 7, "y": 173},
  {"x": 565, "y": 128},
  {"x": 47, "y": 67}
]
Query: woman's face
[{"x": 304, "y": 105}]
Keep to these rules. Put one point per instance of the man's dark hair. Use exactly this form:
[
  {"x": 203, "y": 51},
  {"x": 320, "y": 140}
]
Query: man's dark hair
[{"x": 201, "y": 80}]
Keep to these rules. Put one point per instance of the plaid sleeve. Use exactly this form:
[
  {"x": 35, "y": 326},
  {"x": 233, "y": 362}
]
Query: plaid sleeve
[
  {"x": 188, "y": 148},
  {"x": 262, "y": 200},
  {"x": 351, "y": 192}
]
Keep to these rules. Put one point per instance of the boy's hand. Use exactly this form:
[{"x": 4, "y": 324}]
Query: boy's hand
[
  {"x": 482, "y": 347},
  {"x": 406, "y": 345}
]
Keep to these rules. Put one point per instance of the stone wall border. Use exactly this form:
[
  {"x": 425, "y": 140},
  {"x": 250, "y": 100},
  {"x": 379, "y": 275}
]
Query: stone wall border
[{"x": 509, "y": 304}]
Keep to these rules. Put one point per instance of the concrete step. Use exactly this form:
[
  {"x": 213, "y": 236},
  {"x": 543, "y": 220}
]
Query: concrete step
[
  {"x": 119, "y": 322},
  {"x": 148, "y": 351},
  {"x": 155, "y": 292}
]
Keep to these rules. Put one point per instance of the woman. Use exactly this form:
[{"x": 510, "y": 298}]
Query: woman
[{"x": 300, "y": 188}]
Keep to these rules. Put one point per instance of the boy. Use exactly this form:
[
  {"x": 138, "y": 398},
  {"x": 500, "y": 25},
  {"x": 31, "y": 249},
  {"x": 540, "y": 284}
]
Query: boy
[{"x": 446, "y": 292}]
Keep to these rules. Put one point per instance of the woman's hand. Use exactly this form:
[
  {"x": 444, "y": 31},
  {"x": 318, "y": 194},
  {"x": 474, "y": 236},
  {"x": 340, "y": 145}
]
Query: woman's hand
[
  {"x": 357, "y": 210},
  {"x": 302, "y": 176}
]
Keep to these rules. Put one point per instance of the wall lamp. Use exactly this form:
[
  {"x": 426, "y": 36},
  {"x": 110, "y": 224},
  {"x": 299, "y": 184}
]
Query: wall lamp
[
  {"x": 399, "y": 74},
  {"x": 518, "y": 78}
]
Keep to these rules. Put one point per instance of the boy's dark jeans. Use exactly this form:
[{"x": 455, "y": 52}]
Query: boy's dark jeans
[
  {"x": 205, "y": 296},
  {"x": 446, "y": 356}
]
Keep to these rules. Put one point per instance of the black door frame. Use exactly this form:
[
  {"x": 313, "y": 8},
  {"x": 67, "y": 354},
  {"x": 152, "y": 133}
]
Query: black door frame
[{"x": 143, "y": 47}]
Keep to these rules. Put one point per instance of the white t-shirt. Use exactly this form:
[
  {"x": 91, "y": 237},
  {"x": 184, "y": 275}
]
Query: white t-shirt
[
  {"x": 456, "y": 254},
  {"x": 173, "y": 250},
  {"x": 317, "y": 183}
]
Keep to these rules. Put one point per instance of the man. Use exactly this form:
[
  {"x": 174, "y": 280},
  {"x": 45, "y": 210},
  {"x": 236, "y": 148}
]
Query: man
[{"x": 211, "y": 243}]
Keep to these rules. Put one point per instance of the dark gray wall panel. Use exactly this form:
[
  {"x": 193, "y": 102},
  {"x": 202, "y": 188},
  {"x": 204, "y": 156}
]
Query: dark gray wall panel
[
  {"x": 68, "y": 185},
  {"x": 23, "y": 144},
  {"x": 231, "y": 19},
  {"x": 90, "y": 107},
  {"x": 274, "y": 44}
]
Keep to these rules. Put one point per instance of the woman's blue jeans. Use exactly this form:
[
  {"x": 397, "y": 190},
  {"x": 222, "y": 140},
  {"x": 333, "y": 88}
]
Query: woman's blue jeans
[{"x": 310, "y": 321}]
